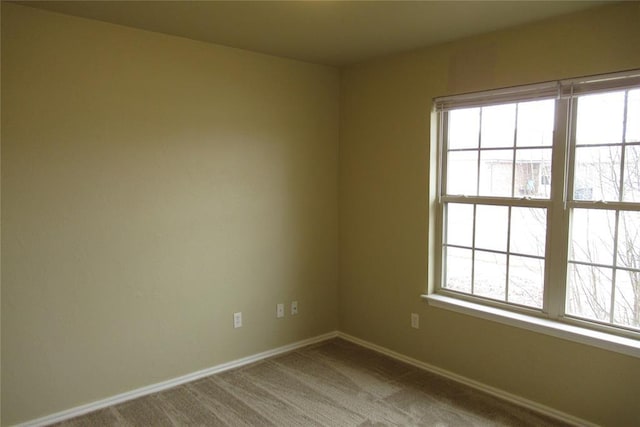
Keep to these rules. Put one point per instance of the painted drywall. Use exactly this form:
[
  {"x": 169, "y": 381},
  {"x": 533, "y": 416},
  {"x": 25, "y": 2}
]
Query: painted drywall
[
  {"x": 384, "y": 211},
  {"x": 152, "y": 186}
]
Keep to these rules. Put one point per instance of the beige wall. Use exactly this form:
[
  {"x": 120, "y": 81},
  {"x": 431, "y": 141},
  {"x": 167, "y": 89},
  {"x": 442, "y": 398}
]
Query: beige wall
[
  {"x": 151, "y": 186},
  {"x": 384, "y": 158}
]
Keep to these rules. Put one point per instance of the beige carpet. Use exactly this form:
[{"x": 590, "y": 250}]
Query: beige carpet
[{"x": 334, "y": 383}]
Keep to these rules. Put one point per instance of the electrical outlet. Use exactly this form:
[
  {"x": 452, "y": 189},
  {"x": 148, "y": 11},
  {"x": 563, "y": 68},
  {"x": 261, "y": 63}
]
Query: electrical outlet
[
  {"x": 294, "y": 308},
  {"x": 415, "y": 320},
  {"x": 237, "y": 319},
  {"x": 280, "y": 310}
]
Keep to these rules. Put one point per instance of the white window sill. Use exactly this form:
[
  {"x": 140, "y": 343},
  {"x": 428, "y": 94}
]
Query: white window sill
[{"x": 624, "y": 345}]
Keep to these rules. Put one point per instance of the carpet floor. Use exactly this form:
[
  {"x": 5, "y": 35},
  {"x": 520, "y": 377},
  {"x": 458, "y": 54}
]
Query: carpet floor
[{"x": 333, "y": 383}]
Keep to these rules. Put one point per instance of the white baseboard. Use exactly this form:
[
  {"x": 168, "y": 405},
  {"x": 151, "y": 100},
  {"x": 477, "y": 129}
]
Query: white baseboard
[
  {"x": 518, "y": 400},
  {"x": 154, "y": 388}
]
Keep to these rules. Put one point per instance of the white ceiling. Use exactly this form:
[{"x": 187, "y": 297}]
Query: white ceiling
[{"x": 326, "y": 32}]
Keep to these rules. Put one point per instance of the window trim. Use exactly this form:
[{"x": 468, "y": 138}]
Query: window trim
[
  {"x": 551, "y": 319},
  {"x": 560, "y": 328}
]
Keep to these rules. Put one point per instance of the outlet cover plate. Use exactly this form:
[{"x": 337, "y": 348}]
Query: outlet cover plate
[
  {"x": 415, "y": 320},
  {"x": 280, "y": 310}
]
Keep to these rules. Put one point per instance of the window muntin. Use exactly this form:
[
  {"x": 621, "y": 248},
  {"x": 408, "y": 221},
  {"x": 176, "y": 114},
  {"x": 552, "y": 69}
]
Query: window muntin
[
  {"x": 603, "y": 282},
  {"x": 604, "y": 267},
  {"x": 500, "y": 150},
  {"x": 497, "y": 194},
  {"x": 496, "y": 249},
  {"x": 503, "y": 255}
]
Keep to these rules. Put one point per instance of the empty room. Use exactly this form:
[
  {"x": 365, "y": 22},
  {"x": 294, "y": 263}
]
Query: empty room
[{"x": 343, "y": 213}]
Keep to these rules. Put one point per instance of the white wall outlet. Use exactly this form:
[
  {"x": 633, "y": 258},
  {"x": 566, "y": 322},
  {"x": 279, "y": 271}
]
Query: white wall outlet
[
  {"x": 237, "y": 319},
  {"x": 415, "y": 320},
  {"x": 294, "y": 308},
  {"x": 280, "y": 310}
]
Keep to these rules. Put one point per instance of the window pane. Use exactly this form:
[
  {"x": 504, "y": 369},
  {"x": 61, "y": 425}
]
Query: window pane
[
  {"x": 464, "y": 128},
  {"x": 629, "y": 240},
  {"x": 633, "y": 116},
  {"x": 491, "y": 227},
  {"x": 490, "y": 275},
  {"x": 592, "y": 235},
  {"x": 494, "y": 240},
  {"x": 459, "y": 224},
  {"x": 597, "y": 173},
  {"x": 589, "y": 292},
  {"x": 496, "y": 167},
  {"x": 626, "y": 309},
  {"x": 458, "y": 273},
  {"x": 462, "y": 172},
  {"x": 631, "y": 191},
  {"x": 498, "y": 126},
  {"x": 600, "y": 118},
  {"x": 535, "y": 123},
  {"x": 526, "y": 281},
  {"x": 528, "y": 231},
  {"x": 533, "y": 173}
]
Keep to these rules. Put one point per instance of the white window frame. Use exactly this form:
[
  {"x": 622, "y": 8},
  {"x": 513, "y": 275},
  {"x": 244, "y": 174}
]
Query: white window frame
[{"x": 551, "y": 319}]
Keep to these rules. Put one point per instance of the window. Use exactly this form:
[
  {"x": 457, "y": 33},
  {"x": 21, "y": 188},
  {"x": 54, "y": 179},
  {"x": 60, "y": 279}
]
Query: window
[{"x": 538, "y": 201}]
